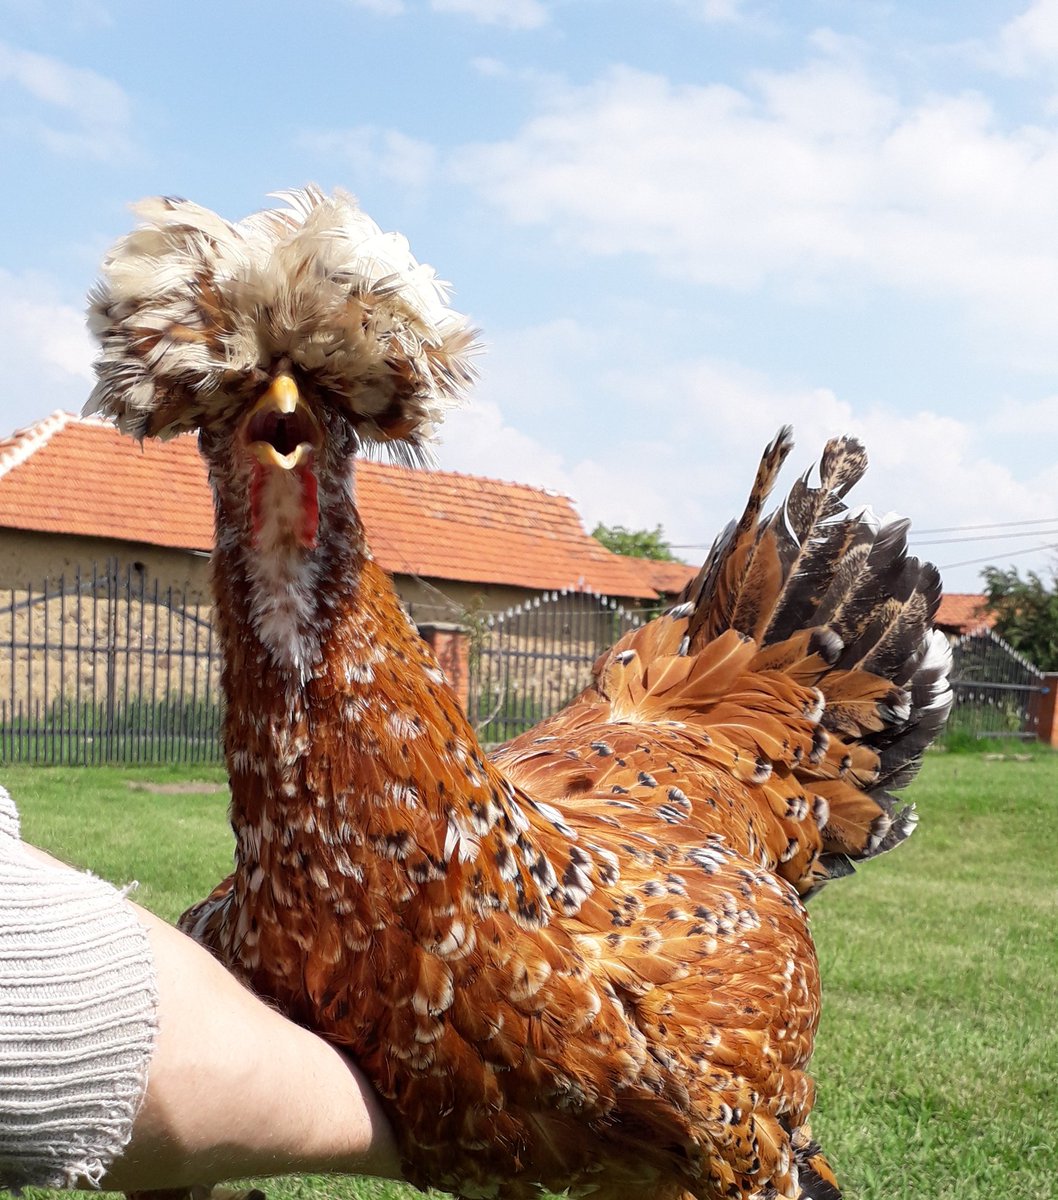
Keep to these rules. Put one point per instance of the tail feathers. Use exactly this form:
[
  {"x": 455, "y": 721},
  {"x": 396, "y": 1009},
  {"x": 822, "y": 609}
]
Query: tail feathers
[
  {"x": 815, "y": 1178},
  {"x": 833, "y": 599},
  {"x": 743, "y": 569},
  {"x": 901, "y": 743},
  {"x": 814, "y": 1187}
]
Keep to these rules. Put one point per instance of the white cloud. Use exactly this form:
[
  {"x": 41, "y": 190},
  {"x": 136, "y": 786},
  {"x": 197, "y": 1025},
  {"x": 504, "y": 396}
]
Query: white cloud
[
  {"x": 1028, "y": 42},
  {"x": 490, "y": 68},
  {"x": 798, "y": 181},
  {"x": 519, "y": 421},
  {"x": 479, "y": 440},
  {"x": 711, "y": 184},
  {"x": 48, "y": 353},
  {"x": 515, "y": 14},
  {"x": 94, "y": 113},
  {"x": 676, "y": 443},
  {"x": 528, "y": 378},
  {"x": 1031, "y": 418},
  {"x": 371, "y": 150},
  {"x": 538, "y": 366}
]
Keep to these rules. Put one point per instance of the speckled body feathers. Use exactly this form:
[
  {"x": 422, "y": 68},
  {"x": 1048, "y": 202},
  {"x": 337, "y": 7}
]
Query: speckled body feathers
[{"x": 584, "y": 963}]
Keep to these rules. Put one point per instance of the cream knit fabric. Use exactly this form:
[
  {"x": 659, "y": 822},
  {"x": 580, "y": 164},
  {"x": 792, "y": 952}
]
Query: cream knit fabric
[{"x": 77, "y": 1018}]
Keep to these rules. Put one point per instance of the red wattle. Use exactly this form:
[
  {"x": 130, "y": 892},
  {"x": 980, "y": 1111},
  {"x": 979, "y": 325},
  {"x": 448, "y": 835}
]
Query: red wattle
[
  {"x": 310, "y": 507},
  {"x": 257, "y": 478}
]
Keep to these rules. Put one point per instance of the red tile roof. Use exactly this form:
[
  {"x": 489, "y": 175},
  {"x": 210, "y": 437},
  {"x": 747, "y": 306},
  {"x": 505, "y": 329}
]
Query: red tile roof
[
  {"x": 64, "y": 475},
  {"x": 963, "y": 612},
  {"x": 73, "y": 476},
  {"x": 668, "y": 578}
]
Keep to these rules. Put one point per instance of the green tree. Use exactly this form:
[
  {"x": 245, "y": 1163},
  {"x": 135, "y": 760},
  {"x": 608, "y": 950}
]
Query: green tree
[
  {"x": 638, "y": 543},
  {"x": 1026, "y": 612}
]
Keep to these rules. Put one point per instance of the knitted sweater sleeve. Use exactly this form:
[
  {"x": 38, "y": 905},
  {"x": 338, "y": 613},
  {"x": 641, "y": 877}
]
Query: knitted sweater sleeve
[{"x": 77, "y": 1018}]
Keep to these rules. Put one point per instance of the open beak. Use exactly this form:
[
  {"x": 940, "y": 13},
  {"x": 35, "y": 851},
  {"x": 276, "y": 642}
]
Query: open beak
[
  {"x": 280, "y": 430},
  {"x": 282, "y": 434}
]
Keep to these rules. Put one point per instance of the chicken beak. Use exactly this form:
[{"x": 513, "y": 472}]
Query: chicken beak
[
  {"x": 280, "y": 430},
  {"x": 282, "y": 434}
]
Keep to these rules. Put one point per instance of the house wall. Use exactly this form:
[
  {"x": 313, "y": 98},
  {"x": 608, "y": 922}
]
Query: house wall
[
  {"x": 30, "y": 558},
  {"x": 449, "y": 599}
]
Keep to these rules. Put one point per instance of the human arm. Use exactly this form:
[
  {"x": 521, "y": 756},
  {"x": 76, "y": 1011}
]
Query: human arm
[
  {"x": 235, "y": 1089},
  {"x": 129, "y": 1057}
]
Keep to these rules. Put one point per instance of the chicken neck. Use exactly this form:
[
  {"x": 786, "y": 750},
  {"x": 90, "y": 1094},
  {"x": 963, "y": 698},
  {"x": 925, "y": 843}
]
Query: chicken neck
[{"x": 358, "y": 786}]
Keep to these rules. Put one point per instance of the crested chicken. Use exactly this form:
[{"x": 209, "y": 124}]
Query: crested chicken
[{"x": 582, "y": 964}]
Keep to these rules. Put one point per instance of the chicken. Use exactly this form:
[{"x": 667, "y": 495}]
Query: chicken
[{"x": 585, "y": 962}]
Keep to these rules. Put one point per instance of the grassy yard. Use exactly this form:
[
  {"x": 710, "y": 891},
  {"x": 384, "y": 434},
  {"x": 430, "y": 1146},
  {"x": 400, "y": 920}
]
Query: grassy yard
[{"x": 937, "y": 1059}]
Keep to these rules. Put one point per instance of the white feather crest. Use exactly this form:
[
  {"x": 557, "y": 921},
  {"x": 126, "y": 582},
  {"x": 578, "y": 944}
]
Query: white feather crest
[{"x": 190, "y": 306}]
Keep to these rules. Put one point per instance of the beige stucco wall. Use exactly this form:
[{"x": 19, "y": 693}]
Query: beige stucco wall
[
  {"x": 30, "y": 558},
  {"x": 449, "y": 600}
]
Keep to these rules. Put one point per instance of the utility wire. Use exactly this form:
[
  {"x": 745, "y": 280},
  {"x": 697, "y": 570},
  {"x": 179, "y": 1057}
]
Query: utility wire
[
  {"x": 991, "y": 558},
  {"x": 992, "y": 525},
  {"x": 983, "y": 537},
  {"x": 918, "y": 536}
]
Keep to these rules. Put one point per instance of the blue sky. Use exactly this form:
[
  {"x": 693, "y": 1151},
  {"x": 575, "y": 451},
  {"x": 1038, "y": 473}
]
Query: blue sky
[{"x": 679, "y": 224}]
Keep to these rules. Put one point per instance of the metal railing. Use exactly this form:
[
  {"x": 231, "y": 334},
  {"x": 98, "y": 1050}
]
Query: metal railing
[
  {"x": 101, "y": 667},
  {"x": 529, "y": 661},
  {"x": 997, "y": 690}
]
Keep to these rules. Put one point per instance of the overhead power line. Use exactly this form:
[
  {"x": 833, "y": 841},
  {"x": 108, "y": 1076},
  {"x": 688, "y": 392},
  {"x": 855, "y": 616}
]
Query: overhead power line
[
  {"x": 991, "y": 525},
  {"x": 982, "y": 537},
  {"x": 991, "y": 558},
  {"x": 920, "y": 536}
]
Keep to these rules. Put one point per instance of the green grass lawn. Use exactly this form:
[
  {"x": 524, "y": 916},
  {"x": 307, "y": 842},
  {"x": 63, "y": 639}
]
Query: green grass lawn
[{"x": 937, "y": 1060}]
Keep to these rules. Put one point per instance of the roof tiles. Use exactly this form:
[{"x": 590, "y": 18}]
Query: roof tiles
[
  {"x": 668, "y": 578},
  {"x": 963, "y": 612},
  {"x": 73, "y": 476}
]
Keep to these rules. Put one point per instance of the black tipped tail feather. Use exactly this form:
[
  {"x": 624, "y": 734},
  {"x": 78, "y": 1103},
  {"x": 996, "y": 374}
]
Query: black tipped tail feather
[
  {"x": 832, "y": 595},
  {"x": 815, "y": 1187}
]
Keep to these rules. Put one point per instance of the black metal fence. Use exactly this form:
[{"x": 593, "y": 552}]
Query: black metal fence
[
  {"x": 529, "y": 661},
  {"x": 997, "y": 690},
  {"x": 101, "y": 667}
]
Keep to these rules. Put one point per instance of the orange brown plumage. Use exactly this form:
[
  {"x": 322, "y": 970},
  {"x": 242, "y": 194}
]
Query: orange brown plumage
[{"x": 583, "y": 963}]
